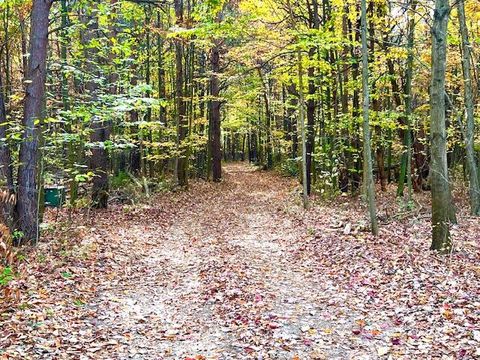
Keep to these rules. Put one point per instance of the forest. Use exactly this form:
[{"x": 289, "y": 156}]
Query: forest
[{"x": 239, "y": 179}]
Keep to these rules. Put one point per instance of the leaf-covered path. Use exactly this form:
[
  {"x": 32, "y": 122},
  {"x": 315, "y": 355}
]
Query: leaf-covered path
[
  {"x": 222, "y": 281},
  {"x": 238, "y": 270}
]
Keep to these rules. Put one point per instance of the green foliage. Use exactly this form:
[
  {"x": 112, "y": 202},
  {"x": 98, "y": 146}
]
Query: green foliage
[
  {"x": 17, "y": 235},
  {"x": 66, "y": 274},
  {"x": 121, "y": 180},
  {"x": 290, "y": 167},
  {"x": 6, "y": 275}
]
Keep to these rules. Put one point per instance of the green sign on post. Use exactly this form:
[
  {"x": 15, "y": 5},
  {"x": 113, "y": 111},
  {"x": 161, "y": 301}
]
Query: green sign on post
[{"x": 54, "y": 195}]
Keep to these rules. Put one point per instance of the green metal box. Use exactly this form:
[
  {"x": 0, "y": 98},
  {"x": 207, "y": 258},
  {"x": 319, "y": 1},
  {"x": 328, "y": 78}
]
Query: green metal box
[{"x": 54, "y": 195}]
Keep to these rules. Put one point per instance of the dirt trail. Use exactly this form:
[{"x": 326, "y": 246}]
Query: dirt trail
[{"x": 222, "y": 281}]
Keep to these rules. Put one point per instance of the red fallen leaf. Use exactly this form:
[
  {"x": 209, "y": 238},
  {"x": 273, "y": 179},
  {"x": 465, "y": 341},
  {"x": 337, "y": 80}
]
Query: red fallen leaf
[
  {"x": 398, "y": 321},
  {"x": 258, "y": 298},
  {"x": 395, "y": 341},
  {"x": 273, "y": 325},
  {"x": 356, "y": 331}
]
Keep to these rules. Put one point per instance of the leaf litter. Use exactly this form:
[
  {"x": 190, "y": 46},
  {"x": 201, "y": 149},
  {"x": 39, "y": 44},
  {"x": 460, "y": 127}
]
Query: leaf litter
[{"x": 238, "y": 270}]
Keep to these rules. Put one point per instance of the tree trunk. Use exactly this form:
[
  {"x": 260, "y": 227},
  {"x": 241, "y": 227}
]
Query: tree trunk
[
  {"x": 5, "y": 154},
  {"x": 406, "y": 160},
  {"x": 100, "y": 129},
  {"x": 469, "y": 107},
  {"x": 314, "y": 20},
  {"x": 379, "y": 151},
  {"x": 181, "y": 167},
  {"x": 301, "y": 120},
  {"x": 215, "y": 141},
  {"x": 355, "y": 129},
  {"x": 310, "y": 134},
  {"x": 409, "y": 100},
  {"x": 28, "y": 192},
  {"x": 162, "y": 93},
  {"x": 268, "y": 119},
  {"x": 441, "y": 205},
  {"x": 367, "y": 152},
  {"x": 6, "y": 169}
]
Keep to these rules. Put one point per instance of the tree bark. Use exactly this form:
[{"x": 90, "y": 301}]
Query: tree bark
[
  {"x": 301, "y": 120},
  {"x": 367, "y": 152},
  {"x": 100, "y": 129},
  {"x": 406, "y": 160},
  {"x": 181, "y": 167},
  {"x": 215, "y": 120},
  {"x": 441, "y": 205},
  {"x": 379, "y": 151},
  {"x": 5, "y": 154},
  {"x": 6, "y": 168},
  {"x": 161, "y": 71},
  {"x": 268, "y": 119},
  {"x": 314, "y": 20},
  {"x": 355, "y": 171},
  {"x": 28, "y": 192}
]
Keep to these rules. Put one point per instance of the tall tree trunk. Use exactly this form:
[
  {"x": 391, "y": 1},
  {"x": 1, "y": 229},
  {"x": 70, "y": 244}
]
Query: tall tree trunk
[
  {"x": 148, "y": 166},
  {"x": 292, "y": 106},
  {"x": 310, "y": 128},
  {"x": 441, "y": 205},
  {"x": 301, "y": 120},
  {"x": 215, "y": 141},
  {"x": 100, "y": 130},
  {"x": 162, "y": 93},
  {"x": 367, "y": 152},
  {"x": 268, "y": 118},
  {"x": 5, "y": 154},
  {"x": 469, "y": 107},
  {"x": 6, "y": 169},
  {"x": 379, "y": 151},
  {"x": 355, "y": 130},
  {"x": 314, "y": 20},
  {"x": 409, "y": 98},
  {"x": 28, "y": 192},
  {"x": 8, "y": 63},
  {"x": 346, "y": 164},
  {"x": 181, "y": 167},
  {"x": 406, "y": 162},
  {"x": 72, "y": 151}
]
